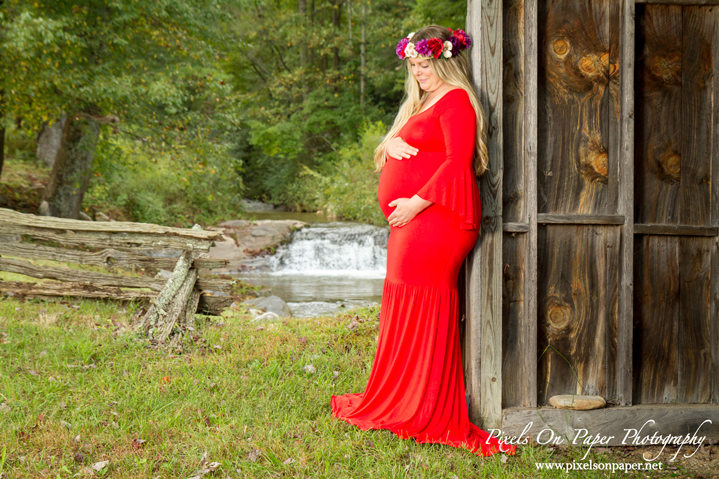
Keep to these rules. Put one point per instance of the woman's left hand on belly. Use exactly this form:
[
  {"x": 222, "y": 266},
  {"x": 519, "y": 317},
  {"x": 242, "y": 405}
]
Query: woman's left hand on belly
[{"x": 406, "y": 209}]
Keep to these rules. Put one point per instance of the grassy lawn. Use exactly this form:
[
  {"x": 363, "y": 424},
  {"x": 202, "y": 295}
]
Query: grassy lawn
[{"x": 79, "y": 387}]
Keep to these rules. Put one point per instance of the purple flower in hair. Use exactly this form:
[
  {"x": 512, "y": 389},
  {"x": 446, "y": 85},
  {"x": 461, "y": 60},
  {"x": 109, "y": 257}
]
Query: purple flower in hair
[
  {"x": 401, "y": 46},
  {"x": 455, "y": 45},
  {"x": 423, "y": 48}
]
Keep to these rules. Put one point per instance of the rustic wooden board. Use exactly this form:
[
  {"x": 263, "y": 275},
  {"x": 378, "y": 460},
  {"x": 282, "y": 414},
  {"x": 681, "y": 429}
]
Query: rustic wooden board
[
  {"x": 577, "y": 297},
  {"x": 531, "y": 71},
  {"x": 63, "y": 224},
  {"x": 82, "y": 290},
  {"x": 573, "y": 126},
  {"x": 656, "y": 319},
  {"x": 71, "y": 275},
  {"x": 696, "y": 114},
  {"x": 681, "y": 2},
  {"x": 484, "y": 22},
  {"x": 513, "y": 52},
  {"x": 101, "y": 240},
  {"x": 625, "y": 205},
  {"x": 108, "y": 258},
  {"x": 675, "y": 420},
  {"x": 658, "y": 115},
  {"x": 516, "y": 363},
  {"x": 694, "y": 341}
]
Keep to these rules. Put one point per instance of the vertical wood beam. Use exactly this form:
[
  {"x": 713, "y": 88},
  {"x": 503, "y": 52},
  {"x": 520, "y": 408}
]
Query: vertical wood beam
[
  {"x": 529, "y": 330},
  {"x": 484, "y": 294},
  {"x": 714, "y": 202},
  {"x": 625, "y": 206}
]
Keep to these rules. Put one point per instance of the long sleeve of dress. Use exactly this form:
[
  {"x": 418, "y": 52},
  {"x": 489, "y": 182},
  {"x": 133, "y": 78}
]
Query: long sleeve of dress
[{"x": 454, "y": 185}]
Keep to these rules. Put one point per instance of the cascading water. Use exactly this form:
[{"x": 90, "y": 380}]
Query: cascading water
[
  {"x": 327, "y": 266},
  {"x": 334, "y": 249}
]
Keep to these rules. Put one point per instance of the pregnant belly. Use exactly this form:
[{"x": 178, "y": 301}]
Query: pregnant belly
[{"x": 403, "y": 178}]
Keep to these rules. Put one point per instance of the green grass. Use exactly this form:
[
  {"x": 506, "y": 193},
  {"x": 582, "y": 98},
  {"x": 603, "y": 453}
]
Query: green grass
[{"x": 80, "y": 387}]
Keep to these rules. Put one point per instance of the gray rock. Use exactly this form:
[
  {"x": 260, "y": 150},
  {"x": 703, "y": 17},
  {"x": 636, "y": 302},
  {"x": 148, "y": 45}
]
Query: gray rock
[
  {"x": 580, "y": 403},
  {"x": 273, "y": 304},
  {"x": 254, "y": 205},
  {"x": 264, "y": 293}
]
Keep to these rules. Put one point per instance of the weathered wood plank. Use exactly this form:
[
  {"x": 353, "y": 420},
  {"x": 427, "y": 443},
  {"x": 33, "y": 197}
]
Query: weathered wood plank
[
  {"x": 695, "y": 367},
  {"x": 573, "y": 162},
  {"x": 484, "y": 331},
  {"x": 101, "y": 279},
  {"x": 625, "y": 206},
  {"x": 579, "y": 219},
  {"x": 675, "y": 420},
  {"x": 515, "y": 227},
  {"x": 696, "y": 115},
  {"x": 514, "y": 345},
  {"x": 714, "y": 295},
  {"x": 531, "y": 72},
  {"x": 490, "y": 267},
  {"x": 212, "y": 304},
  {"x": 656, "y": 319},
  {"x": 658, "y": 115},
  {"x": 101, "y": 240},
  {"x": 82, "y": 290},
  {"x": 63, "y": 224},
  {"x": 108, "y": 258},
  {"x": 675, "y": 230},
  {"x": 77, "y": 275},
  {"x": 472, "y": 359},
  {"x": 680, "y": 2},
  {"x": 513, "y": 181},
  {"x": 577, "y": 293}
]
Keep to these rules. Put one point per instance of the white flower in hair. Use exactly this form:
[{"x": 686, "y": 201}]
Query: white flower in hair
[
  {"x": 409, "y": 51},
  {"x": 409, "y": 37},
  {"x": 447, "y": 50}
]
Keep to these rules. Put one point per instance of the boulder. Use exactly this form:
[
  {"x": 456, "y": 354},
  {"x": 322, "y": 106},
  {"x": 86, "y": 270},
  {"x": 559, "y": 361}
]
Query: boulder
[
  {"x": 580, "y": 403},
  {"x": 273, "y": 304}
]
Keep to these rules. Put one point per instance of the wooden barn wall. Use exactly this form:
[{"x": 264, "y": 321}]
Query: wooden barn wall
[
  {"x": 674, "y": 331},
  {"x": 577, "y": 175}
]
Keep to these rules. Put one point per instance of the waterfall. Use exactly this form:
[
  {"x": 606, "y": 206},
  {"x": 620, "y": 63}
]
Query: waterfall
[{"x": 352, "y": 249}]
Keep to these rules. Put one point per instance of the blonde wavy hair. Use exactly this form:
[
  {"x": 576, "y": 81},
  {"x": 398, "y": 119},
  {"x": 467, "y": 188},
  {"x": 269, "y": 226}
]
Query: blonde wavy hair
[{"x": 453, "y": 71}]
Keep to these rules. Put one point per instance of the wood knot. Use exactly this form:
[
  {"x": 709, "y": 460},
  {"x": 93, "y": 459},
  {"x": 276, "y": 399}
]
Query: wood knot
[
  {"x": 560, "y": 47},
  {"x": 594, "y": 158},
  {"x": 667, "y": 68},
  {"x": 671, "y": 164},
  {"x": 594, "y": 66},
  {"x": 559, "y": 314}
]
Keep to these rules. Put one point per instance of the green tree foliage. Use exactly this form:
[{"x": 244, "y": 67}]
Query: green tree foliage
[
  {"x": 149, "y": 70},
  {"x": 297, "y": 68}
]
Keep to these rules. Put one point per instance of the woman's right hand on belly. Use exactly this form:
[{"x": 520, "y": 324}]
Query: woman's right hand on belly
[{"x": 398, "y": 149}]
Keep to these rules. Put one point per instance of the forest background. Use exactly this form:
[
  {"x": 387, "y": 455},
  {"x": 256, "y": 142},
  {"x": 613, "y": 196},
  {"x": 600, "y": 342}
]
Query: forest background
[{"x": 178, "y": 109}]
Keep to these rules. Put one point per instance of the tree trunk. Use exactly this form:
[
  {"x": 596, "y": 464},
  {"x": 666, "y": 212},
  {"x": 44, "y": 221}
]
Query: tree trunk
[
  {"x": 73, "y": 165},
  {"x": 363, "y": 51},
  {"x": 336, "y": 23}
]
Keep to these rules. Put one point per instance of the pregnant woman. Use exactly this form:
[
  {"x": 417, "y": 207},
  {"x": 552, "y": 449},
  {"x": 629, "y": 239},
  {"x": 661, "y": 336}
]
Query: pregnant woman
[{"x": 428, "y": 193}]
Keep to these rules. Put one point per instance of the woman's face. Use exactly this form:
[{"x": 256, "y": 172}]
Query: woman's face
[{"x": 424, "y": 75}]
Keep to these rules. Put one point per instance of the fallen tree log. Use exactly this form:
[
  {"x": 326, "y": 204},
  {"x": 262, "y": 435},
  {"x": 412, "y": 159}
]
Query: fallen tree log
[
  {"x": 82, "y": 290},
  {"x": 99, "y": 279},
  {"x": 108, "y": 258},
  {"x": 14, "y": 218}
]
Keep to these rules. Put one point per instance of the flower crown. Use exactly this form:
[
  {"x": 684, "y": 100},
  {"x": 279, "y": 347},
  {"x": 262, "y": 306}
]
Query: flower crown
[{"x": 434, "y": 47}]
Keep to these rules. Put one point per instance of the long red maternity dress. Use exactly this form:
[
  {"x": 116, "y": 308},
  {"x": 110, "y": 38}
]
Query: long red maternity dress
[{"x": 416, "y": 386}]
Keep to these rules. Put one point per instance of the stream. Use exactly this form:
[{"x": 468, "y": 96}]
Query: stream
[{"x": 325, "y": 268}]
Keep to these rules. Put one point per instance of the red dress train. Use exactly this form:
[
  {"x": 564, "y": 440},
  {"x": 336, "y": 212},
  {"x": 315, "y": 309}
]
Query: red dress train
[{"x": 416, "y": 386}]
